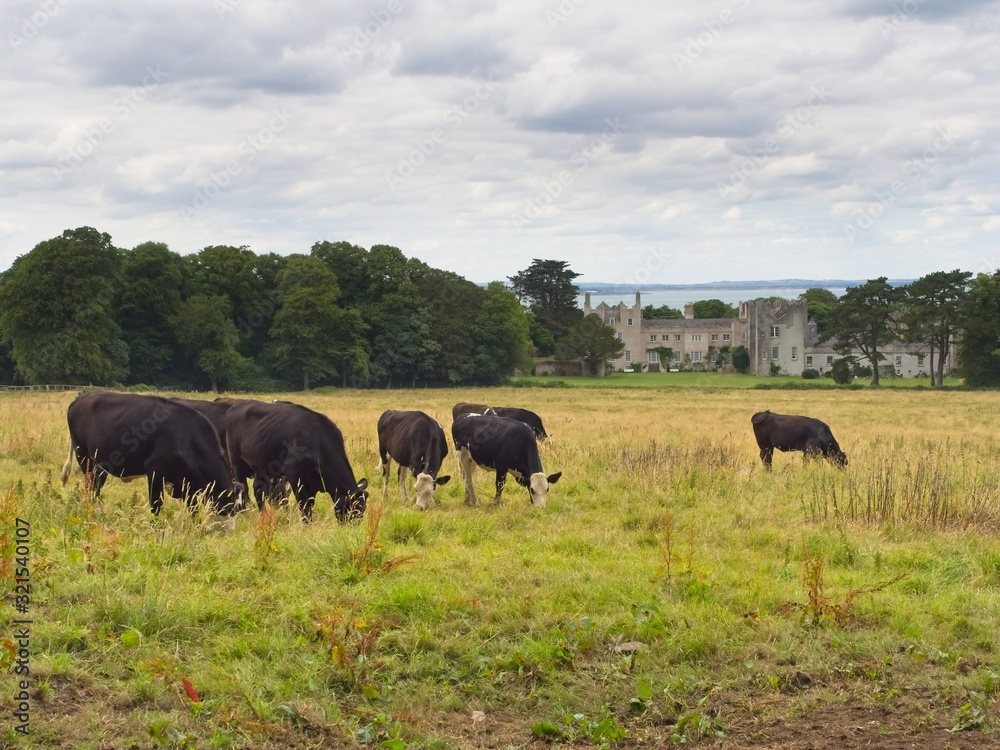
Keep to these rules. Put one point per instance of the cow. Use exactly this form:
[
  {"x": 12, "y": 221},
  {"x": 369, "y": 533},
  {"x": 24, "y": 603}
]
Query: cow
[
  {"x": 274, "y": 441},
  {"x": 418, "y": 444},
  {"x": 788, "y": 432},
  {"x": 126, "y": 435},
  {"x": 504, "y": 445},
  {"x": 512, "y": 412}
]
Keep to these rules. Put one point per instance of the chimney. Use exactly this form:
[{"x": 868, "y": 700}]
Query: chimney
[
  {"x": 688, "y": 312},
  {"x": 586, "y": 303},
  {"x": 637, "y": 303}
]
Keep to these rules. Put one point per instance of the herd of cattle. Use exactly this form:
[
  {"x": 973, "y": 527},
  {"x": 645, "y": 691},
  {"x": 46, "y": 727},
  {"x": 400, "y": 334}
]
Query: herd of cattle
[{"x": 195, "y": 448}]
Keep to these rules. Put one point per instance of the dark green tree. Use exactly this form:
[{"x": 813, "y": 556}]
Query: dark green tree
[
  {"x": 349, "y": 264},
  {"x": 713, "y": 308},
  {"x": 57, "y": 310},
  {"x": 205, "y": 329},
  {"x": 820, "y": 303},
  {"x": 452, "y": 301},
  {"x": 663, "y": 312},
  {"x": 593, "y": 342},
  {"x": 931, "y": 314},
  {"x": 402, "y": 349},
  {"x": 865, "y": 319},
  {"x": 500, "y": 337},
  {"x": 312, "y": 336},
  {"x": 741, "y": 359},
  {"x": 548, "y": 289},
  {"x": 842, "y": 370},
  {"x": 979, "y": 348},
  {"x": 148, "y": 300}
]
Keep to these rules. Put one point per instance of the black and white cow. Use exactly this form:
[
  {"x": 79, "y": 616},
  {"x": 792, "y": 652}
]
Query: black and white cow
[
  {"x": 272, "y": 442},
  {"x": 504, "y": 445},
  {"x": 788, "y": 432},
  {"x": 511, "y": 412},
  {"x": 417, "y": 443},
  {"x": 126, "y": 435}
]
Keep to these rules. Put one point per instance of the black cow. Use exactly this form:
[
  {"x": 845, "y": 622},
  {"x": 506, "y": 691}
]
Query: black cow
[
  {"x": 504, "y": 445},
  {"x": 126, "y": 435},
  {"x": 788, "y": 432},
  {"x": 274, "y": 441},
  {"x": 511, "y": 412},
  {"x": 416, "y": 442}
]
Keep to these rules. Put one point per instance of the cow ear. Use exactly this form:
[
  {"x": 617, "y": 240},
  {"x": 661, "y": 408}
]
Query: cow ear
[
  {"x": 363, "y": 485},
  {"x": 553, "y": 478},
  {"x": 442, "y": 480}
]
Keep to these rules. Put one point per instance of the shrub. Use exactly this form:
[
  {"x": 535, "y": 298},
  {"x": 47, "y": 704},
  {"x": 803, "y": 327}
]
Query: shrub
[
  {"x": 810, "y": 374},
  {"x": 841, "y": 371}
]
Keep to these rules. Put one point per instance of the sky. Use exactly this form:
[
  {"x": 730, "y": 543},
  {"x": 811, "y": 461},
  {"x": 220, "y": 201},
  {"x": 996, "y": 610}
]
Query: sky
[{"x": 641, "y": 142}]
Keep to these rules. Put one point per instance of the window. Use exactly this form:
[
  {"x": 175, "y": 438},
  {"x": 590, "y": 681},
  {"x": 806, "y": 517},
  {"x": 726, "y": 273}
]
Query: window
[
  {"x": 795, "y": 353},
  {"x": 677, "y": 356},
  {"x": 696, "y": 337},
  {"x": 611, "y": 321},
  {"x": 920, "y": 360},
  {"x": 665, "y": 337},
  {"x": 774, "y": 332},
  {"x": 715, "y": 337},
  {"x": 774, "y": 352},
  {"x": 809, "y": 361},
  {"x": 677, "y": 337},
  {"x": 829, "y": 361},
  {"x": 619, "y": 335},
  {"x": 652, "y": 337},
  {"x": 630, "y": 321},
  {"x": 744, "y": 337},
  {"x": 696, "y": 356},
  {"x": 899, "y": 360},
  {"x": 653, "y": 357},
  {"x": 726, "y": 337},
  {"x": 628, "y": 356}
]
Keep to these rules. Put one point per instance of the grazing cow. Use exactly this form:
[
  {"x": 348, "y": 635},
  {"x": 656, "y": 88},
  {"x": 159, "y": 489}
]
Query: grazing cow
[
  {"x": 504, "y": 445},
  {"x": 274, "y": 441},
  {"x": 511, "y": 412},
  {"x": 126, "y": 435},
  {"x": 787, "y": 432},
  {"x": 416, "y": 442}
]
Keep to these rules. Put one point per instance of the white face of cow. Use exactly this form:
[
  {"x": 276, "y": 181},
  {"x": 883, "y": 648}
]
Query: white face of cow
[
  {"x": 538, "y": 487},
  {"x": 424, "y": 488}
]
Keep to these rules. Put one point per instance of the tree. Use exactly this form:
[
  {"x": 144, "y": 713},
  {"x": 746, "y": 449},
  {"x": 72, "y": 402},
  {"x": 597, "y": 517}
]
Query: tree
[
  {"x": 349, "y": 264},
  {"x": 663, "y": 312},
  {"x": 205, "y": 329},
  {"x": 713, "y": 308},
  {"x": 500, "y": 340},
  {"x": 865, "y": 319},
  {"x": 820, "y": 303},
  {"x": 547, "y": 285},
  {"x": 402, "y": 348},
  {"x": 57, "y": 310},
  {"x": 453, "y": 301},
  {"x": 593, "y": 342},
  {"x": 931, "y": 313},
  {"x": 979, "y": 349},
  {"x": 148, "y": 299},
  {"x": 741, "y": 359},
  {"x": 311, "y": 334}
]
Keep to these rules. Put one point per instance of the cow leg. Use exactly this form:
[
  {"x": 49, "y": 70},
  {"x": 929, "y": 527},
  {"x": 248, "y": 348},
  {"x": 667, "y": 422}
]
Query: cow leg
[
  {"x": 813, "y": 448},
  {"x": 766, "y": 454},
  {"x": 467, "y": 467},
  {"x": 501, "y": 481},
  {"x": 155, "y": 493},
  {"x": 305, "y": 496},
  {"x": 385, "y": 461},
  {"x": 401, "y": 473}
]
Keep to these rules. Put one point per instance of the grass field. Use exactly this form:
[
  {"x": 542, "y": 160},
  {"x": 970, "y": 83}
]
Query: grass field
[{"x": 671, "y": 590}]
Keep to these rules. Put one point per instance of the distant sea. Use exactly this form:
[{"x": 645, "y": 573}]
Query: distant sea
[{"x": 677, "y": 298}]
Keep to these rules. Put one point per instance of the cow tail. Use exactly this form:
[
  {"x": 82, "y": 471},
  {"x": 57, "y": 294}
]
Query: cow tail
[{"x": 68, "y": 466}]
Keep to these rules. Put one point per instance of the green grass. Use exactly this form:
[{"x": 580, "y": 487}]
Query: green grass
[{"x": 460, "y": 627}]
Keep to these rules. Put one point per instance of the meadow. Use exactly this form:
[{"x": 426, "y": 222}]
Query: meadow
[{"x": 671, "y": 591}]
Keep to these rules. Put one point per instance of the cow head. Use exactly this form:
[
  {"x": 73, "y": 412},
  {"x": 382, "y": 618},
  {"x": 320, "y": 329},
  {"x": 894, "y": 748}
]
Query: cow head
[
  {"x": 352, "y": 507},
  {"x": 538, "y": 487},
  {"x": 839, "y": 458},
  {"x": 424, "y": 487}
]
